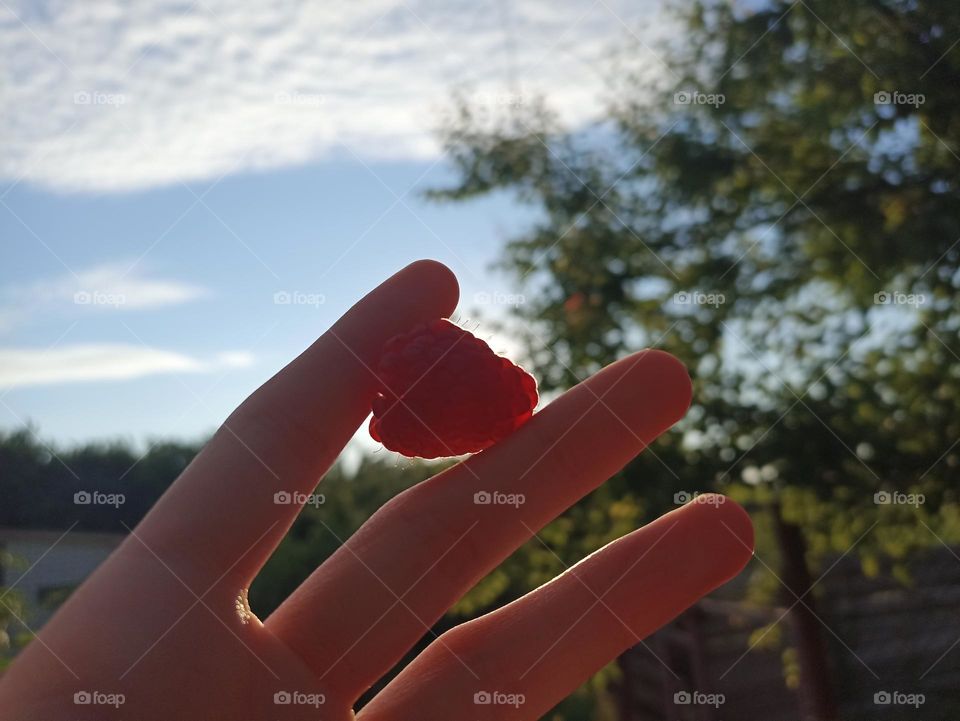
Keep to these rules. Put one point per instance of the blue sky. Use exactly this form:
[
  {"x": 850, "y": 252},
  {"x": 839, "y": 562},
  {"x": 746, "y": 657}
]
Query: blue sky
[
  {"x": 167, "y": 168},
  {"x": 182, "y": 295}
]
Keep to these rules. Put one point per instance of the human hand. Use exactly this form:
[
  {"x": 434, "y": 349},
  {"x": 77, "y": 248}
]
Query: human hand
[{"x": 165, "y": 621}]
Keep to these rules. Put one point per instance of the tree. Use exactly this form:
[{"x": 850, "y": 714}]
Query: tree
[{"x": 782, "y": 213}]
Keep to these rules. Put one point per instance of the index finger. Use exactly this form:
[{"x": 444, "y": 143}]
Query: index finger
[{"x": 284, "y": 437}]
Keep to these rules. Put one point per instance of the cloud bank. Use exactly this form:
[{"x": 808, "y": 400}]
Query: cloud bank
[{"x": 114, "y": 96}]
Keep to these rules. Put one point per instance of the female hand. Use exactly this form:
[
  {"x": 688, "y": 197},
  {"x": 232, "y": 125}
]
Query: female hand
[{"x": 162, "y": 629}]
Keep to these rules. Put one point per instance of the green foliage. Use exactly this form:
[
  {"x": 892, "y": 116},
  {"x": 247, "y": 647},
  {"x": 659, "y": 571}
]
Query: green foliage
[
  {"x": 349, "y": 498},
  {"x": 795, "y": 201},
  {"x": 788, "y": 207},
  {"x": 12, "y": 609},
  {"x": 39, "y": 481}
]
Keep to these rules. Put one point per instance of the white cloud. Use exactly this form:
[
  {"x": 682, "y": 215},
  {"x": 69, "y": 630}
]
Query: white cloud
[
  {"x": 109, "y": 286},
  {"x": 234, "y": 359},
  {"x": 112, "y": 95},
  {"x": 21, "y": 367}
]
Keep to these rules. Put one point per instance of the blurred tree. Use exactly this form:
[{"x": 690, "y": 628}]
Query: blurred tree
[
  {"x": 11, "y": 611},
  {"x": 39, "y": 481},
  {"x": 343, "y": 502},
  {"x": 780, "y": 210}
]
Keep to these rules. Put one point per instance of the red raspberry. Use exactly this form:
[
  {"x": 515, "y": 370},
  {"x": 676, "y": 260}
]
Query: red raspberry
[{"x": 444, "y": 392}]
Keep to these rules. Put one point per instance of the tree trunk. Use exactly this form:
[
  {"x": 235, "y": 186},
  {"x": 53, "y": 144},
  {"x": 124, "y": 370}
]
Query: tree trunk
[
  {"x": 623, "y": 689},
  {"x": 817, "y": 701}
]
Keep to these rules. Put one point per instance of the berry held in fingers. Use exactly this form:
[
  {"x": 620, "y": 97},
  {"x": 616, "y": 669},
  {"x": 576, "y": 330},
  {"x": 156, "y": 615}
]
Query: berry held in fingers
[{"x": 444, "y": 392}]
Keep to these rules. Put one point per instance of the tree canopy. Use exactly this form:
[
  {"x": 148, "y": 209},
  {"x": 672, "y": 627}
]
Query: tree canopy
[{"x": 778, "y": 207}]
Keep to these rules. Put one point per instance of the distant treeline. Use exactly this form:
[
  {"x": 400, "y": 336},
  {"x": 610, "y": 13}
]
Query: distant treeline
[
  {"x": 98, "y": 486},
  {"x": 39, "y": 483}
]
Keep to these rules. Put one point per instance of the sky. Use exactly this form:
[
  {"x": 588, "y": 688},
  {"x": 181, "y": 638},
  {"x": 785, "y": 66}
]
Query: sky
[{"x": 190, "y": 193}]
